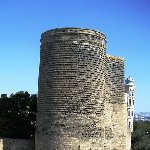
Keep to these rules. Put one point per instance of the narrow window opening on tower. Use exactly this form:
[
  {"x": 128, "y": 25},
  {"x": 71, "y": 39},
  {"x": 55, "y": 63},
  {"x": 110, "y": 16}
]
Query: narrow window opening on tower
[
  {"x": 132, "y": 113},
  {"x": 129, "y": 124},
  {"x": 129, "y": 102},
  {"x": 133, "y": 102},
  {"x": 128, "y": 113}
]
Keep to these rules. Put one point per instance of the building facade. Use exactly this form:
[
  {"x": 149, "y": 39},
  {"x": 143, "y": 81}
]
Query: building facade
[{"x": 130, "y": 99}]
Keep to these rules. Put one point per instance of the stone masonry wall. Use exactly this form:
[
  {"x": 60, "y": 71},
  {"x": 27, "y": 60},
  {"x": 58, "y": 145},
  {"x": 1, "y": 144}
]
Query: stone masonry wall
[
  {"x": 16, "y": 144},
  {"x": 71, "y": 90},
  {"x": 81, "y": 104},
  {"x": 116, "y": 103}
]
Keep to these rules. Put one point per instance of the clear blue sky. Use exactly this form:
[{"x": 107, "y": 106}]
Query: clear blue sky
[{"x": 126, "y": 23}]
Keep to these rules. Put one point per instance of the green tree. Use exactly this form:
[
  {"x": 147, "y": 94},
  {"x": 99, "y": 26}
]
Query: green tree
[
  {"x": 18, "y": 115},
  {"x": 141, "y": 135}
]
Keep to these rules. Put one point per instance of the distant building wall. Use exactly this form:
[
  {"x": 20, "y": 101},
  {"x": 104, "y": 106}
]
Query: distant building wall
[
  {"x": 130, "y": 98},
  {"x": 16, "y": 144},
  {"x": 128, "y": 139}
]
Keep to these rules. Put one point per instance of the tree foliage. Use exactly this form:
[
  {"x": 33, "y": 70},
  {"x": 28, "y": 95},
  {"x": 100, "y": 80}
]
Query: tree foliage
[
  {"x": 18, "y": 115},
  {"x": 141, "y": 135}
]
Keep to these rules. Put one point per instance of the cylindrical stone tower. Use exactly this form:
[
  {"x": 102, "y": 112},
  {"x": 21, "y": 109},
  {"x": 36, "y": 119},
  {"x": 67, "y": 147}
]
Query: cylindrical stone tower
[{"x": 71, "y": 91}]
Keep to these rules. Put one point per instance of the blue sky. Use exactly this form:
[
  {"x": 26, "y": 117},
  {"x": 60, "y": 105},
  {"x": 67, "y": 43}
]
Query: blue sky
[{"x": 125, "y": 23}]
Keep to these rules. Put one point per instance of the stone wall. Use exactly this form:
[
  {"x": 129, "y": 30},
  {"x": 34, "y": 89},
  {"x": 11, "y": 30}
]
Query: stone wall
[
  {"x": 16, "y": 144},
  {"x": 81, "y": 104},
  {"x": 71, "y": 90},
  {"x": 116, "y": 107}
]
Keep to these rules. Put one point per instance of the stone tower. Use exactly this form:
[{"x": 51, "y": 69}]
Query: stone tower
[{"x": 81, "y": 103}]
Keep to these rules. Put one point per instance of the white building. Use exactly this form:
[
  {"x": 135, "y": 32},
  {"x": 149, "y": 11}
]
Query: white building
[{"x": 130, "y": 98}]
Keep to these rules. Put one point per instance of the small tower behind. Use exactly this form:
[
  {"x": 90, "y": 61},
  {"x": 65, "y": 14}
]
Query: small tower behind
[{"x": 130, "y": 98}]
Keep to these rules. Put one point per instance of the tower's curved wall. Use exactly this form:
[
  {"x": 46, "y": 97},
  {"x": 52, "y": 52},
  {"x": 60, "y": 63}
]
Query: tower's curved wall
[{"x": 71, "y": 90}]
